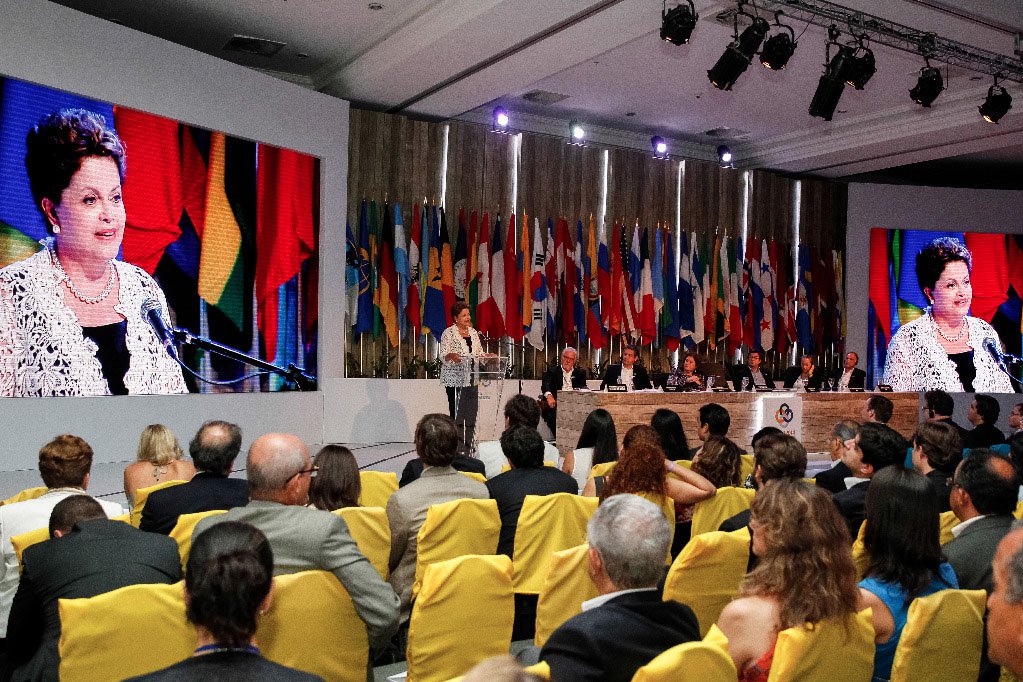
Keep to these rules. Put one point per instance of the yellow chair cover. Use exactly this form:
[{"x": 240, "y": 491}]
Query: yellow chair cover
[
  {"x": 474, "y": 475},
  {"x": 726, "y": 503},
  {"x": 541, "y": 670},
  {"x": 182, "y": 531},
  {"x": 564, "y": 590},
  {"x": 1019, "y": 511},
  {"x": 828, "y": 651},
  {"x": 716, "y": 637},
  {"x": 746, "y": 468},
  {"x": 947, "y": 521},
  {"x": 26, "y": 494},
  {"x": 1007, "y": 676},
  {"x": 131, "y": 631},
  {"x": 23, "y": 541},
  {"x": 942, "y": 638},
  {"x": 312, "y": 625},
  {"x": 455, "y": 529},
  {"x": 547, "y": 524},
  {"x": 707, "y": 573},
  {"x": 601, "y": 469},
  {"x": 368, "y": 527},
  {"x": 377, "y": 487},
  {"x": 859, "y": 553},
  {"x": 463, "y": 615},
  {"x": 142, "y": 494},
  {"x": 687, "y": 463},
  {"x": 689, "y": 662},
  {"x": 122, "y": 517}
]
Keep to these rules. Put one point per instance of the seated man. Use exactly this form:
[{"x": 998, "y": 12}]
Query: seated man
[
  {"x": 876, "y": 447},
  {"x": 629, "y": 374},
  {"x": 983, "y": 414},
  {"x": 628, "y": 624},
  {"x": 213, "y": 450},
  {"x": 877, "y": 410},
  {"x": 557, "y": 378},
  {"x": 849, "y": 376},
  {"x": 843, "y": 437},
  {"x": 938, "y": 407},
  {"x": 774, "y": 456},
  {"x": 714, "y": 421},
  {"x": 805, "y": 375},
  {"x": 93, "y": 555},
  {"x": 753, "y": 372},
  {"x": 520, "y": 410}
]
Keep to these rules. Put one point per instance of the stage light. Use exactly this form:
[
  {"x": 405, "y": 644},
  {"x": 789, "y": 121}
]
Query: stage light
[
  {"x": 996, "y": 104},
  {"x": 860, "y": 67},
  {"x": 737, "y": 56},
  {"x": 500, "y": 120},
  {"x": 724, "y": 156},
  {"x": 831, "y": 84},
  {"x": 677, "y": 23},
  {"x": 659, "y": 146},
  {"x": 928, "y": 86},
  {"x": 777, "y": 51},
  {"x": 576, "y": 133}
]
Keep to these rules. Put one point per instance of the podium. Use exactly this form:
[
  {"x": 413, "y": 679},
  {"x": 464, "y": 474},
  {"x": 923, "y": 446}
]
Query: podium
[{"x": 478, "y": 400}]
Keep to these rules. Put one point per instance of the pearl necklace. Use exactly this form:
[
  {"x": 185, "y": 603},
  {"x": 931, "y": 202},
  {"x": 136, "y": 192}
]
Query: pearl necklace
[
  {"x": 63, "y": 278},
  {"x": 963, "y": 327}
]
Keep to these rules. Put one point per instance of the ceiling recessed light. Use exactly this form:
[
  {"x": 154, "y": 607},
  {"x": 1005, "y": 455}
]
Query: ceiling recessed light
[
  {"x": 375, "y": 6},
  {"x": 302, "y": 55}
]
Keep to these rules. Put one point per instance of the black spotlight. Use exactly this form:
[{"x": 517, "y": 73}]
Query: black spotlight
[
  {"x": 677, "y": 23},
  {"x": 996, "y": 104},
  {"x": 860, "y": 68},
  {"x": 928, "y": 86},
  {"x": 724, "y": 156},
  {"x": 831, "y": 84},
  {"x": 737, "y": 56},
  {"x": 777, "y": 51}
]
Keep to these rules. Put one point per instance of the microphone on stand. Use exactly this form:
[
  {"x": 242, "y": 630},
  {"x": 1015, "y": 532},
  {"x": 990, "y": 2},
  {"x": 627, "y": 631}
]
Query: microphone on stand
[
  {"x": 152, "y": 312},
  {"x": 991, "y": 346}
]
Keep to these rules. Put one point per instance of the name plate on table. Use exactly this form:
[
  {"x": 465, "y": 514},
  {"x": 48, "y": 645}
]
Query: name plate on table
[
  {"x": 721, "y": 389},
  {"x": 763, "y": 389},
  {"x": 617, "y": 388},
  {"x": 673, "y": 388}
]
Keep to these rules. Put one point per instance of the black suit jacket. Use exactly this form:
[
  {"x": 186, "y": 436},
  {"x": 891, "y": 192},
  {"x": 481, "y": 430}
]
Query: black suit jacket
[
  {"x": 833, "y": 480},
  {"x": 612, "y": 641},
  {"x": 510, "y": 490},
  {"x": 963, "y": 433},
  {"x": 414, "y": 468},
  {"x": 852, "y": 504},
  {"x": 984, "y": 436},
  {"x": 741, "y": 371},
  {"x": 792, "y": 375},
  {"x": 205, "y": 492},
  {"x": 553, "y": 380},
  {"x": 972, "y": 552},
  {"x": 640, "y": 378},
  {"x": 96, "y": 557},
  {"x": 857, "y": 380},
  {"x": 227, "y": 665}
]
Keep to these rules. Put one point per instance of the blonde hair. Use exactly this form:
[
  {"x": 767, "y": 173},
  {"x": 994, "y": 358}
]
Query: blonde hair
[{"x": 158, "y": 445}]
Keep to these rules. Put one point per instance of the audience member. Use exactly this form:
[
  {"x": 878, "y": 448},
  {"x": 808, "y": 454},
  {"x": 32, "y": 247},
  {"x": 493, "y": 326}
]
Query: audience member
[
  {"x": 938, "y": 407},
  {"x": 303, "y": 539},
  {"x": 714, "y": 421},
  {"x": 159, "y": 459},
  {"x": 1016, "y": 420},
  {"x": 213, "y": 450},
  {"x": 876, "y": 447},
  {"x": 629, "y": 374},
  {"x": 556, "y": 379},
  {"x": 1005, "y": 605},
  {"x": 804, "y": 573},
  {"x": 520, "y": 410},
  {"x": 89, "y": 555},
  {"x": 804, "y": 376},
  {"x": 671, "y": 433},
  {"x": 628, "y": 624},
  {"x": 984, "y": 494},
  {"x": 436, "y": 444},
  {"x": 228, "y": 585},
  {"x": 64, "y": 465},
  {"x": 877, "y": 410},
  {"x": 937, "y": 449},
  {"x": 597, "y": 444},
  {"x": 843, "y": 437},
  {"x": 775, "y": 456},
  {"x": 849, "y": 376},
  {"x": 719, "y": 461},
  {"x": 983, "y": 414},
  {"x": 901, "y": 539},
  {"x": 337, "y": 483},
  {"x": 753, "y": 372}
]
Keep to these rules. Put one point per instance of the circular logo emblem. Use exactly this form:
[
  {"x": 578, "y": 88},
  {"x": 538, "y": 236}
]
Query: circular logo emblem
[{"x": 783, "y": 415}]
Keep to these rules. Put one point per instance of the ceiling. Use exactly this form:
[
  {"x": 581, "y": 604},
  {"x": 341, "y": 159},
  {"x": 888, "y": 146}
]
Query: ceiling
[{"x": 461, "y": 58}]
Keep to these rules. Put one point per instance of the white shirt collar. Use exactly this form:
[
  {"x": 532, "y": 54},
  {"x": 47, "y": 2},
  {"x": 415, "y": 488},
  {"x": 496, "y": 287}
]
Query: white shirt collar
[
  {"x": 604, "y": 598},
  {"x": 960, "y": 527},
  {"x": 851, "y": 481}
]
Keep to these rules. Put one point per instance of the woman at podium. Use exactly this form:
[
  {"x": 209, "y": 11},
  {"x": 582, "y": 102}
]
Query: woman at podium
[{"x": 457, "y": 341}]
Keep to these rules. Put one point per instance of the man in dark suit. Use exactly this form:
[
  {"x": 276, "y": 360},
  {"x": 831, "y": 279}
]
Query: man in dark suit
[
  {"x": 555, "y": 379},
  {"x": 806, "y": 370},
  {"x": 88, "y": 555},
  {"x": 877, "y": 409},
  {"x": 843, "y": 437},
  {"x": 938, "y": 407},
  {"x": 877, "y": 446},
  {"x": 753, "y": 372},
  {"x": 213, "y": 451},
  {"x": 628, "y": 373},
  {"x": 617, "y": 633},
  {"x": 850, "y": 376},
  {"x": 983, "y": 414},
  {"x": 776, "y": 455}
]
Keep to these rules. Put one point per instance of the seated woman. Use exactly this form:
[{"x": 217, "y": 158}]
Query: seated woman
[
  {"x": 685, "y": 375},
  {"x": 672, "y": 435},
  {"x": 901, "y": 539},
  {"x": 228, "y": 585},
  {"x": 159, "y": 459},
  {"x": 720, "y": 462},
  {"x": 597, "y": 444},
  {"x": 805, "y": 573},
  {"x": 937, "y": 451},
  {"x": 337, "y": 483}
]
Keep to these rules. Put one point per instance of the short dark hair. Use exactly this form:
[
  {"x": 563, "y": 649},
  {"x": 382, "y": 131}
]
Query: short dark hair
[
  {"x": 990, "y": 480},
  {"x": 457, "y": 308},
  {"x": 668, "y": 426},
  {"x": 881, "y": 445},
  {"x": 73, "y": 510},
  {"x": 941, "y": 443},
  {"x": 227, "y": 577},
  {"x": 882, "y": 407},
  {"x": 436, "y": 440},
  {"x": 523, "y": 447},
  {"x": 932, "y": 259},
  {"x": 780, "y": 456},
  {"x": 337, "y": 483},
  {"x": 767, "y": 430},
  {"x": 522, "y": 410},
  {"x": 57, "y": 145},
  {"x": 65, "y": 461},
  {"x": 939, "y": 402},
  {"x": 215, "y": 446},
  {"x": 716, "y": 418},
  {"x": 633, "y": 347},
  {"x": 987, "y": 408}
]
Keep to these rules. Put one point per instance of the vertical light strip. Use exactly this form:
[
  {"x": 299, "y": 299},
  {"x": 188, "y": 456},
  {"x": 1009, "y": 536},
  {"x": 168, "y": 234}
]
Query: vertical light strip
[
  {"x": 679, "y": 184},
  {"x": 605, "y": 173},
  {"x": 444, "y": 167},
  {"x": 797, "y": 202},
  {"x": 747, "y": 194},
  {"x": 516, "y": 159}
]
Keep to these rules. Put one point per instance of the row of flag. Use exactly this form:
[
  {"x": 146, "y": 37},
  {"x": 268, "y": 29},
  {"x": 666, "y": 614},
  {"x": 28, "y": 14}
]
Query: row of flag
[{"x": 578, "y": 284}]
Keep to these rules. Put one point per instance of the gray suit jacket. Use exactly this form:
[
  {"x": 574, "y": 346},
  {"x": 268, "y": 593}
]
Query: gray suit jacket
[
  {"x": 972, "y": 552},
  {"x": 406, "y": 512},
  {"x": 304, "y": 539}
]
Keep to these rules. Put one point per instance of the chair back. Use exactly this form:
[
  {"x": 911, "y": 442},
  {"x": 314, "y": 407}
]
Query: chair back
[
  {"x": 564, "y": 590},
  {"x": 709, "y": 514},
  {"x": 463, "y": 615},
  {"x": 377, "y": 487},
  {"x": 808, "y": 652},
  {"x": 183, "y": 529},
  {"x": 707, "y": 573},
  {"x": 130, "y": 631},
  {"x": 26, "y": 494},
  {"x": 689, "y": 662},
  {"x": 455, "y": 529},
  {"x": 474, "y": 475},
  {"x": 1019, "y": 510},
  {"x": 859, "y": 553},
  {"x": 312, "y": 625},
  {"x": 942, "y": 638},
  {"x": 602, "y": 469},
  {"x": 126, "y": 518},
  {"x": 23, "y": 541},
  {"x": 371, "y": 532},
  {"x": 946, "y": 522},
  {"x": 547, "y": 524},
  {"x": 142, "y": 494},
  {"x": 746, "y": 467}
]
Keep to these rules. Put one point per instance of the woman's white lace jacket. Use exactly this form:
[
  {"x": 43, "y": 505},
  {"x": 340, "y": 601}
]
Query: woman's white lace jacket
[{"x": 453, "y": 373}]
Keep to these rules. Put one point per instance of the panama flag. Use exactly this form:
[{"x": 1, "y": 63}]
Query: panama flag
[
  {"x": 770, "y": 305},
  {"x": 538, "y": 290}
]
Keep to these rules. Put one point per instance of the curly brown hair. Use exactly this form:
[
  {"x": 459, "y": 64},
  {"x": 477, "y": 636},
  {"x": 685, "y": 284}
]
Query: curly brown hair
[
  {"x": 640, "y": 467},
  {"x": 720, "y": 462},
  {"x": 807, "y": 563}
]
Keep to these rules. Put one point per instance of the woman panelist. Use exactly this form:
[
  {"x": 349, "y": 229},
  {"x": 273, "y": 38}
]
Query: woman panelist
[
  {"x": 71, "y": 320},
  {"x": 685, "y": 375},
  {"x": 945, "y": 347}
]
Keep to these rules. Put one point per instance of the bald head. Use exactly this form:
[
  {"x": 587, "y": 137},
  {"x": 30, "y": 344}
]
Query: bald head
[
  {"x": 278, "y": 465},
  {"x": 1005, "y": 605}
]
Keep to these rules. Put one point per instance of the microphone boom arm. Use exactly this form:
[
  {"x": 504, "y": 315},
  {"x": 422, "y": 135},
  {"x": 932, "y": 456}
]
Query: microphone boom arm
[{"x": 291, "y": 373}]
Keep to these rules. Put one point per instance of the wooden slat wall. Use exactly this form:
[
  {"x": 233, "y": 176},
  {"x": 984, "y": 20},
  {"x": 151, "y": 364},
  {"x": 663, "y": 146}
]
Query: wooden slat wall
[
  {"x": 771, "y": 207},
  {"x": 558, "y": 179},
  {"x": 641, "y": 188},
  {"x": 822, "y": 214}
]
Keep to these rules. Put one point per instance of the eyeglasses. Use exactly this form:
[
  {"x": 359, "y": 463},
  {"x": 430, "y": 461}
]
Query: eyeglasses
[{"x": 311, "y": 471}]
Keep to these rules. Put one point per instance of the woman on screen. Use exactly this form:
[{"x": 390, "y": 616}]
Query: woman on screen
[
  {"x": 71, "y": 316},
  {"x": 945, "y": 347}
]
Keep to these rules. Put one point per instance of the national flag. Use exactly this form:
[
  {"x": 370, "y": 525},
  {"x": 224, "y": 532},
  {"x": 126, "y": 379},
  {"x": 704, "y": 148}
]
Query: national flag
[
  {"x": 511, "y": 303},
  {"x": 424, "y": 267},
  {"x": 657, "y": 272},
  {"x": 645, "y": 300},
  {"x": 791, "y": 280},
  {"x": 670, "y": 317},
  {"x": 735, "y": 301},
  {"x": 472, "y": 275},
  {"x": 604, "y": 278},
  {"x": 633, "y": 281},
  {"x": 990, "y": 274},
  {"x": 879, "y": 331},
  {"x": 581, "y": 290},
  {"x": 374, "y": 266},
  {"x": 615, "y": 312},
  {"x": 700, "y": 290},
  {"x": 497, "y": 289},
  {"x": 413, "y": 310},
  {"x": 568, "y": 276},
  {"x": 364, "y": 316},
  {"x": 447, "y": 268},
  {"x": 461, "y": 258},
  {"x": 434, "y": 315},
  {"x": 710, "y": 319},
  {"x": 594, "y": 330},
  {"x": 221, "y": 266},
  {"x": 388, "y": 280},
  {"x": 722, "y": 321},
  {"x": 351, "y": 275},
  {"x": 484, "y": 307},
  {"x": 524, "y": 268},
  {"x": 537, "y": 291},
  {"x": 401, "y": 267},
  {"x": 839, "y": 269},
  {"x": 770, "y": 303},
  {"x": 686, "y": 292},
  {"x": 551, "y": 280},
  {"x": 805, "y": 299},
  {"x": 750, "y": 279}
]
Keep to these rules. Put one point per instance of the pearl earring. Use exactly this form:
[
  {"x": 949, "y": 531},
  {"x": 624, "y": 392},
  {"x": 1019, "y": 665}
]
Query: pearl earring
[{"x": 56, "y": 228}]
